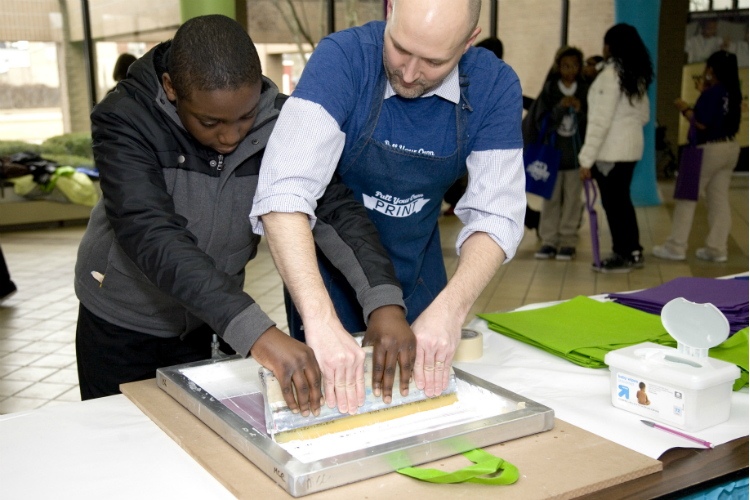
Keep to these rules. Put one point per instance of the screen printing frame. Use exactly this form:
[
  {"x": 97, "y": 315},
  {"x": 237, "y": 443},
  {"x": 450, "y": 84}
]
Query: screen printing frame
[{"x": 300, "y": 479}]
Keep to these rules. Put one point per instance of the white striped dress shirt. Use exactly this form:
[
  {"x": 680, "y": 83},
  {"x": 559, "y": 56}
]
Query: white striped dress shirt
[{"x": 306, "y": 145}]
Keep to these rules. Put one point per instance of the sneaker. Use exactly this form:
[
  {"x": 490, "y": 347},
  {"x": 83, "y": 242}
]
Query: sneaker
[
  {"x": 637, "y": 259},
  {"x": 546, "y": 252},
  {"x": 7, "y": 290},
  {"x": 709, "y": 255},
  {"x": 663, "y": 252},
  {"x": 615, "y": 264},
  {"x": 566, "y": 253}
]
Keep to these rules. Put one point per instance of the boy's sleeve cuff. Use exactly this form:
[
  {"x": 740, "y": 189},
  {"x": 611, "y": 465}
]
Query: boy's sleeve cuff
[
  {"x": 246, "y": 328},
  {"x": 379, "y": 296}
]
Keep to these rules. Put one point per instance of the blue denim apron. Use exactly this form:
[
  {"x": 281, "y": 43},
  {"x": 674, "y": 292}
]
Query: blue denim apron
[{"x": 403, "y": 192}]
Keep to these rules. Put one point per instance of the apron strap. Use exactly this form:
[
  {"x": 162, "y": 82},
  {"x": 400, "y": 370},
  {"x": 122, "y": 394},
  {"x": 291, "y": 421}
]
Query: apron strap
[
  {"x": 376, "y": 104},
  {"x": 463, "y": 108}
]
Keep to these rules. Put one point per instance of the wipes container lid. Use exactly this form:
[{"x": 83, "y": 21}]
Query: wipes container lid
[
  {"x": 697, "y": 328},
  {"x": 668, "y": 366}
]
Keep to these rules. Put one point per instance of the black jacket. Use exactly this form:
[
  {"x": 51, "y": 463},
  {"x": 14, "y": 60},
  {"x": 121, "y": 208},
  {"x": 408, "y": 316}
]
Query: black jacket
[
  {"x": 171, "y": 233},
  {"x": 547, "y": 105}
]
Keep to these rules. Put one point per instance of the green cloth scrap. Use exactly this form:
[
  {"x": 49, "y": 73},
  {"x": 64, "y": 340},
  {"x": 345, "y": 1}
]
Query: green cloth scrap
[
  {"x": 734, "y": 350},
  {"x": 581, "y": 330},
  {"x": 485, "y": 464}
]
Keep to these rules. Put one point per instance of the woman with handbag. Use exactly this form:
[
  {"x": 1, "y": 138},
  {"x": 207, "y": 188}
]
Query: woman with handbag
[
  {"x": 618, "y": 110},
  {"x": 716, "y": 119},
  {"x": 562, "y": 103}
]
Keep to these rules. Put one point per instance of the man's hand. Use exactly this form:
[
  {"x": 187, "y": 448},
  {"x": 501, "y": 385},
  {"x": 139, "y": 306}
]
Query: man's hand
[
  {"x": 438, "y": 328},
  {"x": 393, "y": 341},
  {"x": 584, "y": 173},
  {"x": 293, "y": 364},
  {"x": 438, "y": 332},
  {"x": 342, "y": 362}
]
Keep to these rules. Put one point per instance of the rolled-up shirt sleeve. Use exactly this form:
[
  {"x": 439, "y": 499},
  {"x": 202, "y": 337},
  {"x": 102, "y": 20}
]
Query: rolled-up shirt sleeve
[
  {"x": 300, "y": 159},
  {"x": 495, "y": 198}
]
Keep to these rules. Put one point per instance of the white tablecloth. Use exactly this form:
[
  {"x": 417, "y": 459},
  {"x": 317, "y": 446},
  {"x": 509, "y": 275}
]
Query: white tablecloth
[{"x": 581, "y": 396}]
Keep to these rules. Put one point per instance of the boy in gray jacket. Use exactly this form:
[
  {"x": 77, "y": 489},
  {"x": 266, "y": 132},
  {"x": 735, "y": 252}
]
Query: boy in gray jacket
[{"x": 161, "y": 267}]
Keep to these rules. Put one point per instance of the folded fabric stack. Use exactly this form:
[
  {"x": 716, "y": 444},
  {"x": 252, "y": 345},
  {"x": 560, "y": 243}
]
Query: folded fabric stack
[
  {"x": 581, "y": 330},
  {"x": 729, "y": 296}
]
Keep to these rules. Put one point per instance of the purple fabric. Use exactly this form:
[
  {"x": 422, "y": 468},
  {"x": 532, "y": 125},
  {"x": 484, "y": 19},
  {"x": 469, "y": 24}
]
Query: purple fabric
[
  {"x": 729, "y": 296},
  {"x": 588, "y": 185}
]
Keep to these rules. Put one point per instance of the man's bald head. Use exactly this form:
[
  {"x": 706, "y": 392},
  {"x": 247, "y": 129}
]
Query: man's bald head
[
  {"x": 462, "y": 15},
  {"x": 425, "y": 39}
]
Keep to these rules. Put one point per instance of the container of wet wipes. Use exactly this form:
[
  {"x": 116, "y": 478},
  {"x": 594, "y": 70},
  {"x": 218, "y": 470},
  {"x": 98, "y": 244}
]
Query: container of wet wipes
[{"x": 682, "y": 387}]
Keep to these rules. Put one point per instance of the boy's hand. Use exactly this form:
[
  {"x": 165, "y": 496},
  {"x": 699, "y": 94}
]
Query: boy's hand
[
  {"x": 575, "y": 104},
  {"x": 393, "y": 341},
  {"x": 292, "y": 363}
]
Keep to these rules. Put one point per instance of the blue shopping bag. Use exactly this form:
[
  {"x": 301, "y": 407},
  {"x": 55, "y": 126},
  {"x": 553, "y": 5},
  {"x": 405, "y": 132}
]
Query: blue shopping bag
[{"x": 541, "y": 163}]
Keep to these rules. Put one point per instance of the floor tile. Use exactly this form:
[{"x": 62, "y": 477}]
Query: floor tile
[
  {"x": 31, "y": 374},
  {"x": 65, "y": 376},
  {"x": 13, "y": 405},
  {"x": 43, "y": 347},
  {"x": 7, "y": 369},
  {"x": 41, "y": 314},
  {"x": 61, "y": 336},
  {"x": 30, "y": 334},
  {"x": 52, "y": 325},
  {"x": 72, "y": 395},
  {"x": 10, "y": 387},
  {"x": 44, "y": 390},
  {"x": 20, "y": 358},
  {"x": 10, "y": 345},
  {"x": 54, "y": 361},
  {"x": 56, "y": 402}
]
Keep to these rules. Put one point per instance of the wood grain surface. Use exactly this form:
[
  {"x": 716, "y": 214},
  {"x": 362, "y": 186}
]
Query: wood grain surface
[
  {"x": 563, "y": 463},
  {"x": 686, "y": 470}
]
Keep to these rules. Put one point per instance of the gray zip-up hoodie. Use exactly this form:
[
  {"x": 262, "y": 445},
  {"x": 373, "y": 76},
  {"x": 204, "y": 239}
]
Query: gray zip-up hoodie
[{"x": 171, "y": 234}]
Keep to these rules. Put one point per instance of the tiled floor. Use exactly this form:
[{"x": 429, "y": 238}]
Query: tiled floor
[{"x": 37, "y": 325}]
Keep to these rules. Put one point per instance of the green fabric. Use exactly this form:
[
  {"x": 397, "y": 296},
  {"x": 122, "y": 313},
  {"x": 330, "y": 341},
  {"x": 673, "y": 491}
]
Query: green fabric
[
  {"x": 734, "y": 350},
  {"x": 23, "y": 185},
  {"x": 77, "y": 188},
  {"x": 584, "y": 330},
  {"x": 59, "y": 172},
  {"x": 485, "y": 464},
  {"x": 581, "y": 330}
]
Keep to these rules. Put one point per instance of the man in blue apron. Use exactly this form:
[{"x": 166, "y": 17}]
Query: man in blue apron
[{"x": 400, "y": 110}]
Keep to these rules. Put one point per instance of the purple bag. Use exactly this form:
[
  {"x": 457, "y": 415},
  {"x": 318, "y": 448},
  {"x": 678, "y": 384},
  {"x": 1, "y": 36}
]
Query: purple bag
[
  {"x": 588, "y": 185},
  {"x": 689, "y": 175}
]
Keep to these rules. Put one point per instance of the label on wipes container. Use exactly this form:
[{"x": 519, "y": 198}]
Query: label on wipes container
[{"x": 649, "y": 398}]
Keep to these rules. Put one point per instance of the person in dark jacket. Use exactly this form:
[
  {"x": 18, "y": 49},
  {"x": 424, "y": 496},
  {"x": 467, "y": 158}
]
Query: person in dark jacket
[
  {"x": 160, "y": 269},
  {"x": 562, "y": 107},
  {"x": 123, "y": 63}
]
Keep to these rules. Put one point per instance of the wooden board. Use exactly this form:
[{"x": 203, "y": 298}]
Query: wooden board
[{"x": 566, "y": 462}]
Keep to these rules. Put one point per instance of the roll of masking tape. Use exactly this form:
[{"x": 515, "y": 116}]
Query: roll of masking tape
[{"x": 471, "y": 346}]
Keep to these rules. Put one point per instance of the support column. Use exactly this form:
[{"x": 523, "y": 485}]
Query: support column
[
  {"x": 564, "y": 16},
  {"x": 672, "y": 23},
  {"x": 493, "y": 18},
  {"x": 644, "y": 16},
  {"x": 72, "y": 63}
]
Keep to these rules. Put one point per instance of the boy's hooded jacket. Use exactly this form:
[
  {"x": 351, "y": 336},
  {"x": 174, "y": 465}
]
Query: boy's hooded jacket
[{"x": 171, "y": 233}]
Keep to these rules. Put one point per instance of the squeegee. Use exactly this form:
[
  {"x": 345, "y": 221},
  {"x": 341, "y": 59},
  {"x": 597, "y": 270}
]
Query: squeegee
[{"x": 285, "y": 426}]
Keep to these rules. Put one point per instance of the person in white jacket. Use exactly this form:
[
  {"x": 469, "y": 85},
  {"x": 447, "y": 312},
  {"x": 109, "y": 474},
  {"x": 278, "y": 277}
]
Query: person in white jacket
[{"x": 618, "y": 110}]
